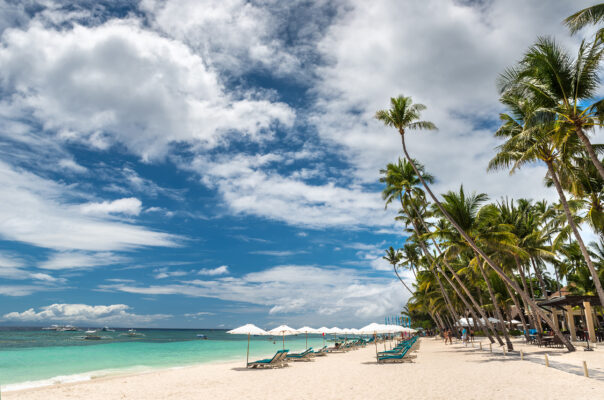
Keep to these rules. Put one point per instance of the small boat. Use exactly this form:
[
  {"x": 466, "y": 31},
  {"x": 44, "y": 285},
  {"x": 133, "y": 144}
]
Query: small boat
[
  {"x": 67, "y": 328},
  {"x": 106, "y": 329},
  {"x": 134, "y": 333},
  {"x": 91, "y": 335},
  {"x": 202, "y": 336}
]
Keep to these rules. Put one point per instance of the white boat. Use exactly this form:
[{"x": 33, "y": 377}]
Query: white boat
[
  {"x": 133, "y": 332},
  {"x": 91, "y": 335},
  {"x": 106, "y": 329},
  {"x": 67, "y": 328}
]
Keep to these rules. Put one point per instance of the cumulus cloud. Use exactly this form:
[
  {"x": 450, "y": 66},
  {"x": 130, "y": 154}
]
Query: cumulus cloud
[
  {"x": 312, "y": 293},
  {"x": 127, "y": 206},
  {"x": 445, "y": 54},
  {"x": 85, "y": 314},
  {"x": 119, "y": 83},
  {"x": 40, "y": 211},
  {"x": 222, "y": 270}
]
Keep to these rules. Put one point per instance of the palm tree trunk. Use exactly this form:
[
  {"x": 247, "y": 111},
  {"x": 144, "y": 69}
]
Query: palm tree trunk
[
  {"x": 401, "y": 279},
  {"x": 531, "y": 313},
  {"x": 495, "y": 305},
  {"x": 489, "y": 326},
  {"x": 490, "y": 262},
  {"x": 571, "y": 222},
  {"x": 539, "y": 276},
  {"x": 520, "y": 313},
  {"x": 590, "y": 152}
]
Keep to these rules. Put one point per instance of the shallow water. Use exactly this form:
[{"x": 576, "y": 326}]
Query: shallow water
[{"x": 33, "y": 357}]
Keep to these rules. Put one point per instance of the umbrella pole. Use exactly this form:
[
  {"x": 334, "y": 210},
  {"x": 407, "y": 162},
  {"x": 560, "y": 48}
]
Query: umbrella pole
[
  {"x": 247, "y": 357},
  {"x": 307, "y": 340},
  {"x": 375, "y": 341},
  {"x": 283, "y": 340}
]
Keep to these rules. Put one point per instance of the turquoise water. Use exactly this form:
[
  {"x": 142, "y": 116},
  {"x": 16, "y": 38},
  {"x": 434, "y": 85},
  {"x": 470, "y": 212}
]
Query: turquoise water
[{"x": 31, "y": 358}]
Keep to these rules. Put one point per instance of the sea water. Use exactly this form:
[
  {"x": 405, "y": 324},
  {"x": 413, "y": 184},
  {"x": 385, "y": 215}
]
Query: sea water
[{"x": 33, "y": 357}]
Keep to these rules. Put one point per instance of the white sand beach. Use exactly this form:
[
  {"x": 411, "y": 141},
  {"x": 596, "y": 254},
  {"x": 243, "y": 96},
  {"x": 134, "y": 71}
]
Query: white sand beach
[{"x": 439, "y": 372}]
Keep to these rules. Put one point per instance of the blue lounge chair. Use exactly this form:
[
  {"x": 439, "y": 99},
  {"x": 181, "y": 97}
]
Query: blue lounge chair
[
  {"x": 397, "y": 358},
  {"x": 306, "y": 355},
  {"x": 277, "y": 361}
]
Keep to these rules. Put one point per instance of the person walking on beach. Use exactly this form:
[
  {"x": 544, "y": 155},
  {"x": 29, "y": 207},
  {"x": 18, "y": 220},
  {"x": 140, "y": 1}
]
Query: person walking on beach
[
  {"x": 472, "y": 335},
  {"x": 464, "y": 336}
]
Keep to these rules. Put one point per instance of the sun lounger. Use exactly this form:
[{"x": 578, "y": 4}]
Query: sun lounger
[
  {"x": 397, "y": 358},
  {"x": 321, "y": 352},
  {"x": 306, "y": 355},
  {"x": 278, "y": 361}
]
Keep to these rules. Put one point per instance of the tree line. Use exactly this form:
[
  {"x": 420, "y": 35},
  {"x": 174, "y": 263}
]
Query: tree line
[{"x": 475, "y": 257}]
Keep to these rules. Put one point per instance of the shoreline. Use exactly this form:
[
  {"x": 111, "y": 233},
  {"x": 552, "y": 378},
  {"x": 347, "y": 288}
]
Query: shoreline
[
  {"x": 102, "y": 374},
  {"x": 438, "y": 372}
]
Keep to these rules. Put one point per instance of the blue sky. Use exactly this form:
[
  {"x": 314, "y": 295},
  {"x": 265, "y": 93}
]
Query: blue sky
[{"x": 212, "y": 163}]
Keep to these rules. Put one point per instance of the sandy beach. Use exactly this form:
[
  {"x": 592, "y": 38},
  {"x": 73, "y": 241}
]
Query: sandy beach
[{"x": 439, "y": 372}]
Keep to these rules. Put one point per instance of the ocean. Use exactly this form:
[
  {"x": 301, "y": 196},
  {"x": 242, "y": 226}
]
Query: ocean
[{"x": 32, "y": 357}]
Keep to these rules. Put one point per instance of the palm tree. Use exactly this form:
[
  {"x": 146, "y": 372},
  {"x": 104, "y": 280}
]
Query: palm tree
[
  {"x": 404, "y": 115},
  {"x": 561, "y": 86},
  {"x": 402, "y": 183},
  {"x": 588, "y": 16},
  {"x": 394, "y": 257},
  {"x": 527, "y": 130}
]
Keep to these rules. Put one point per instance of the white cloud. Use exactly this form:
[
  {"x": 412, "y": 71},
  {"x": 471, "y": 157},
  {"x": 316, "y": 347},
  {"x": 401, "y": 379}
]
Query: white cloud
[
  {"x": 127, "y": 206},
  {"x": 162, "y": 273},
  {"x": 238, "y": 35},
  {"x": 13, "y": 268},
  {"x": 279, "y": 253},
  {"x": 79, "y": 260},
  {"x": 71, "y": 165},
  {"x": 85, "y": 314},
  {"x": 41, "y": 212},
  {"x": 315, "y": 294},
  {"x": 222, "y": 270},
  {"x": 199, "y": 315},
  {"x": 119, "y": 83},
  {"x": 445, "y": 54},
  {"x": 250, "y": 185}
]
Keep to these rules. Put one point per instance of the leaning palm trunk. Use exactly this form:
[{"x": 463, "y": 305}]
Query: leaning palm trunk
[
  {"x": 401, "y": 279},
  {"x": 495, "y": 305},
  {"x": 489, "y": 326},
  {"x": 449, "y": 304},
  {"x": 490, "y": 262},
  {"x": 590, "y": 152},
  {"x": 571, "y": 223},
  {"x": 539, "y": 276},
  {"x": 535, "y": 322},
  {"x": 520, "y": 313}
]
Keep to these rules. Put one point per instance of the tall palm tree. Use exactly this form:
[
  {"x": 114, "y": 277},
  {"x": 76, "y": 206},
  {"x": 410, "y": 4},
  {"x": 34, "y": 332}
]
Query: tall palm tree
[
  {"x": 562, "y": 86},
  {"x": 588, "y": 16},
  {"x": 404, "y": 115},
  {"x": 402, "y": 183},
  {"x": 527, "y": 130},
  {"x": 394, "y": 257}
]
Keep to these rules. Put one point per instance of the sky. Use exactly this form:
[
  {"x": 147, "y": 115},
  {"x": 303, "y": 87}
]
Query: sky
[{"x": 205, "y": 164}]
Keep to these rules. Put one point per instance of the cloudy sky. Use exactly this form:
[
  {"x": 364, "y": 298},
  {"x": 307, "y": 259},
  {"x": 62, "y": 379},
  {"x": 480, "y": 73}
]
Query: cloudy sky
[{"x": 189, "y": 163}]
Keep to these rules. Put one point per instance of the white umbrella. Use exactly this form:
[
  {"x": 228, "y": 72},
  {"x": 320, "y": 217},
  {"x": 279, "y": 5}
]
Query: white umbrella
[
  {"x": 249, "y": 329},
  {"x": 283, "y": 330},
  {"x": 374, "y": 329},
  {"x": 306, "y": 330}
]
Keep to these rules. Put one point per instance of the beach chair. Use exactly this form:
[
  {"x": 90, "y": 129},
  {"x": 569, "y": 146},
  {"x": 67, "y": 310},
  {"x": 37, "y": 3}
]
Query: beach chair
[
  {"x": 322, "y": 352},
  {"x": 306, "y": 355},
  {"x": 278, "y": 361},
  {"x": 396, "y": 358}
]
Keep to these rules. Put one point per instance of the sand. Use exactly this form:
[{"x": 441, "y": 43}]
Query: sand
[{"x": 439, "y": 372}]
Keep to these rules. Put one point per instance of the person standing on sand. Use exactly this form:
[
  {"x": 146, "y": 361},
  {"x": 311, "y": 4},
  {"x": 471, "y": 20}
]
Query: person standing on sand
[{"x": 464, "y": 337}]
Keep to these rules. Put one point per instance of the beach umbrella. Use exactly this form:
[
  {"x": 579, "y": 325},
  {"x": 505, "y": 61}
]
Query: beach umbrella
[
  {"x": 336, "y": 331},
  {"x": 249, "y": 329},
  {"x": 306, "y": 330},
  {"x": 283, "y": 330},
  {"x": 374, "y": 329}
]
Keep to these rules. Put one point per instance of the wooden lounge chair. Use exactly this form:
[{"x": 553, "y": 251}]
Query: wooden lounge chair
[
  {"x": 278, "y": 361},
  {"x": 322, "y": 352}
]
